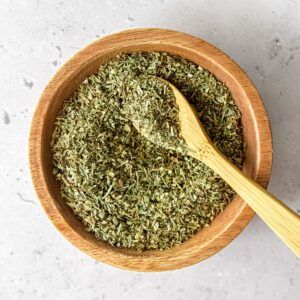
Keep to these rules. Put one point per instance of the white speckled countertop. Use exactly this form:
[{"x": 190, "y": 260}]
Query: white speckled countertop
[{"x": 36, "y": 37}]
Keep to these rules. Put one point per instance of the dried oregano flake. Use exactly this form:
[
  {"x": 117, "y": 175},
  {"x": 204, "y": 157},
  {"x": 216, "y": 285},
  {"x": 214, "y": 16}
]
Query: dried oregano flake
[{"x": 124, "y": 188}]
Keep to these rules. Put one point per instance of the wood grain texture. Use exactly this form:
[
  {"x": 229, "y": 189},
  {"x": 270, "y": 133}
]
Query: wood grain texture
[
  {"x": 280, "y": 218},
  {"x": 257, "y": 165}
]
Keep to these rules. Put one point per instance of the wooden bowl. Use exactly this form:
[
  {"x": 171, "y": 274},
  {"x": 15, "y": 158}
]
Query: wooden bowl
[{"x": 258, "y": 162}]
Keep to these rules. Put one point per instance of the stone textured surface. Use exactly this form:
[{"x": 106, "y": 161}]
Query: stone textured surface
[{"x": 36, "y": 37}]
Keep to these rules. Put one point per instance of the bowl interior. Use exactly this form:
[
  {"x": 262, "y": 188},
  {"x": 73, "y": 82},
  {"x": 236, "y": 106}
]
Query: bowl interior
[{"x": 206, "y": 241}]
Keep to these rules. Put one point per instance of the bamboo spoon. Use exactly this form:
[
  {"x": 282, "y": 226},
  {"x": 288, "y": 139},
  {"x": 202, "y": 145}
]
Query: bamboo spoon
[{"x": 280, "y": 218}]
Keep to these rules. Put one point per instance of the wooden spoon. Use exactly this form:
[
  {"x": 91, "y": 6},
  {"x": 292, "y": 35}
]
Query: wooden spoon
[{"x": 280, "y": 218}]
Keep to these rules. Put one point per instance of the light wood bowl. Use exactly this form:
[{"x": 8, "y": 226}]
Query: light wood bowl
[{"x": 258, "y": 162}]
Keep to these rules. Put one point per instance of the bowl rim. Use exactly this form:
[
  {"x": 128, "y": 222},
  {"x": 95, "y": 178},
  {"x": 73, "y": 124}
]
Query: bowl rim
[{"x": 145, "y": 261}]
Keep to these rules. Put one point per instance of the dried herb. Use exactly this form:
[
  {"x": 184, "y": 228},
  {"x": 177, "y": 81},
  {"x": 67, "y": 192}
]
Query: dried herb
[
  {"x": 125, "y": 189},
  {"x": 151, "y": 107}
]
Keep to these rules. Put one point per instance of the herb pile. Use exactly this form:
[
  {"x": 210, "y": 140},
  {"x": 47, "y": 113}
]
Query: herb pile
[
  {"x": 151, "y": 107},
  {"x": 124, "y": 188}
]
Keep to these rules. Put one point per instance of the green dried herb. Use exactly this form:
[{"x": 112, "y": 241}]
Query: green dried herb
[
  {"x": 125, "y": 189},
  {"x": 151, "y": 107}
]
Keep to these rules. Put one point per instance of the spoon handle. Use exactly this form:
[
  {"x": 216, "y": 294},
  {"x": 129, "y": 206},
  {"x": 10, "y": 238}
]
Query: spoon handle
[{"x": 280, "y": 218}]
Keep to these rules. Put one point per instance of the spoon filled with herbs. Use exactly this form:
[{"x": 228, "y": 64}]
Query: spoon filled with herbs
[{"x": 175, "y": 125}]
